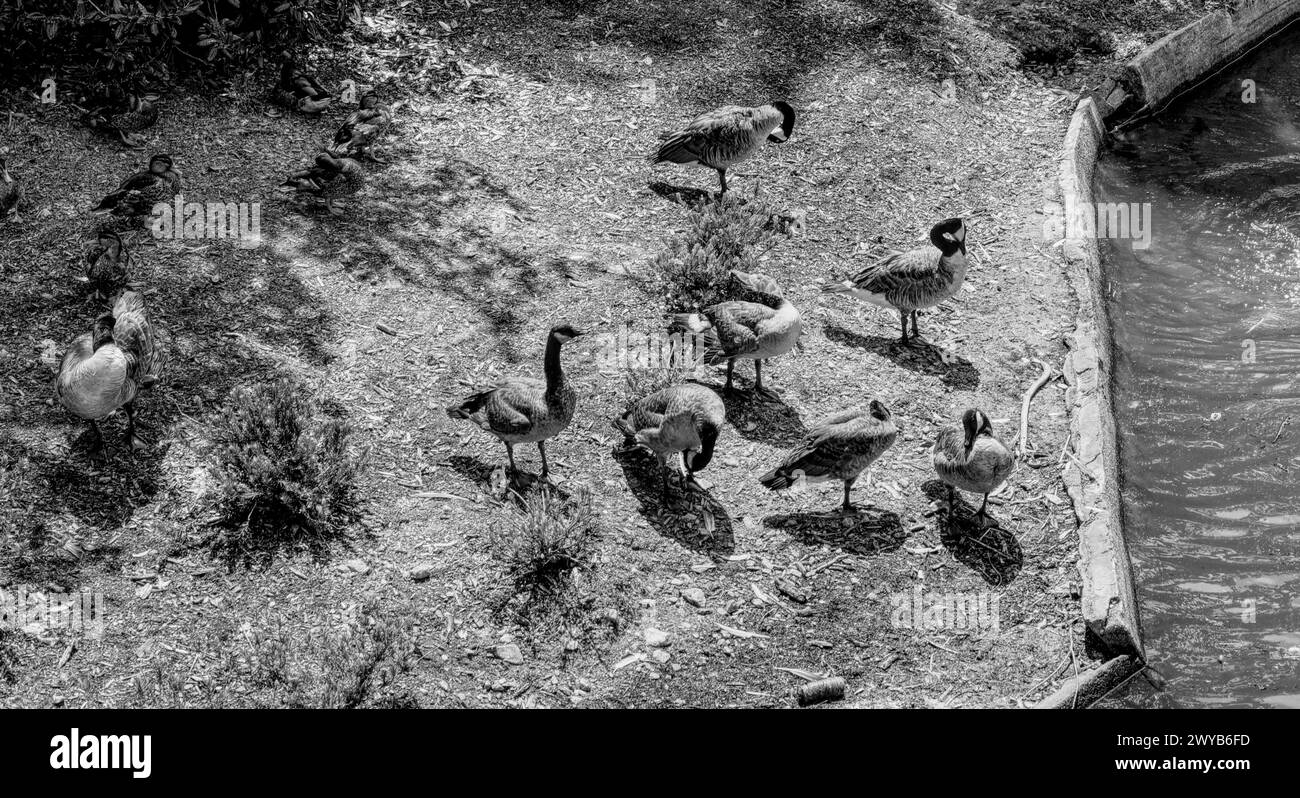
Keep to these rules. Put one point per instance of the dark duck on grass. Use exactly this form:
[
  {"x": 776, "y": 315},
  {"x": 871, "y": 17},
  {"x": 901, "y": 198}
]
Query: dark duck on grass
[
  {"x": 727, "y": 136},
  {"x": 299, "y": 91},
  {"x": 972, "y": 458},
  {"x": 125, "y": 117},
  {"x": 526, "y": 409},
  {"x": 11, "y": 191},
  {"x": 357, "y": 136},
  {"x": 107, "y": 264},
  {"x": 838, "y": 448},
  {"x": 682, "y": 419},
  {"x": 915, "y": 279},
  {"x": 330, "y": 178},
  {"x": 137, "y": 195}
]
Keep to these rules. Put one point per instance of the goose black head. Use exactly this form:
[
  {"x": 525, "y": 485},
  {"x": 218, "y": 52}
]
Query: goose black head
[
  {"x": 103, "y": 331},
  {"x": 696, "y": 461},
  {"x": 369, "y": 100},
  {"x": 949, "y": 236},
  {"x": 787, "y": 123},
  {"x": 565, "y": 332},
  {"x": 162, "y": 164},
  {"x": 974, "y": 423},
  {"x": 110, "y": 239},
  {"x": 879, "y": 411}
]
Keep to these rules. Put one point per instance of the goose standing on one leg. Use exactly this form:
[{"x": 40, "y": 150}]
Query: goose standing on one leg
[
  {"x": 972, "y": 458},
  {"x": 105, "y": 370},
  {"x": 727, "y": 136},
  {"x": 526, "y": 409},
  {"x": 840, "y": 447},
  {"x": 745, "y": 330},
  {"x": 684, "y": 418},
  {"x": 915, "y": 279}
]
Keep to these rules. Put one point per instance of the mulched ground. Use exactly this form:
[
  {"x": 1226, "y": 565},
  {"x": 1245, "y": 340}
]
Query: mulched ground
[{"x": 518, "y": 199}]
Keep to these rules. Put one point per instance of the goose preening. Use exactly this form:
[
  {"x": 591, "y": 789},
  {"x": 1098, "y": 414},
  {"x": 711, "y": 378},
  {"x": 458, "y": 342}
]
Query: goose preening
[
  {"x": 137, "y": 194},
  {"x": 917, "y": 278},
  {"x": 740, "y": 329},
  {"x": 526, "y": 409},
  {"x": 971, "y": 457},
  {"x": 107, "y": 264},
  {"x": 11, "y": 191},
  {"x": 329, "y": 178},
  {"x": 722, "y": 138},
  {"x": 681, "y": 419},
  {"x": 299, "y": 91},
  {"x": 839, "y": 448},
  {"x": 104, "y": 370},
  {"x": 363, "y": 127},
  {"x": 126, "y": 120}
]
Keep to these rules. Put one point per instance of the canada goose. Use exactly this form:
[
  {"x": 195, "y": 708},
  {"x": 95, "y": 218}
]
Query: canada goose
[
  {"x": 329, "y": 179},
  {"x": 840, "y": 447},
  {"x": 363, "y": 127},
  {"x": 137, "y": 195},
  {"x": 107, "y": 263},
  {"x": 684, "y": 418},
  {"x": 11, "y": 191},
  {"x": 526, "y": 409},
  {"x": 727, "y": 136},
  {"x": 299, "y": 91},
  {"x": 105, "y": 369},
  {"x": 126, "y": 120},
  {"x": 742, "y": 329},
  {"x": 972, "y": 458},
  {"x": 907, "y": 281}
]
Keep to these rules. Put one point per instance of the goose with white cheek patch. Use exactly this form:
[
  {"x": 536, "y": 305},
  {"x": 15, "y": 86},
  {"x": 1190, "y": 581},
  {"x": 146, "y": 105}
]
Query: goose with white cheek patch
[
  {"x": 722, "y": 138},
  {"x": 839, "y": 448},
  {"x": 526, "y": 409},
  {"x": 971, "y": 457},
  {"x": 915, "y": 279},
  {"x": 682, "y": 419}
]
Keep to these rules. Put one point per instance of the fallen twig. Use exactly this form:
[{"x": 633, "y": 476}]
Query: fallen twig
[{"x": 1024, "y": 404}]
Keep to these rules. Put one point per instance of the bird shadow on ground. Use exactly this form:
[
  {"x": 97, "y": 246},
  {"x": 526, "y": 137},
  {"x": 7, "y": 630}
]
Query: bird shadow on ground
[
  {"x": 681, "y": 195},
  {"x": 869, "y": 531},
  {"x": 496, "y": 480},
  {"x": 759, "y": 419},
  {"x": 988, "y": 549},
  {"x": 694, "y": 519},
  {"x": 920, "y": 356}
]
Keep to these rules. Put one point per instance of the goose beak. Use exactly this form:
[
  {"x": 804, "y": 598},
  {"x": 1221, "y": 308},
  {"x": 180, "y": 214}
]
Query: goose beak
[{"x": 776, "y": 137}]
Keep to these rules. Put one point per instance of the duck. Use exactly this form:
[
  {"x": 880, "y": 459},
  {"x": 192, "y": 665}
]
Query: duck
[
  {"x": 107, "y": 263},
  {"x": 915, "y": 279},
  {"x": 971, "y": 458},
  {"x": 125, "y": 120},
  {"x": 526, "y": 409},
  {"x": 840, "y": 447},
  {"x": 137, "y": 195},
  {"x": 104, "y": 370},
  {"x": 11, "y": 191},
  {"x": 763, "y": 325},
  {"x": 362, "y": 128},
  {"x": 724, "y": 137},
  {"x": 329, "y": 178},
  {"x": 683, "y": 419},
  {"x": 299, "y": 91}
]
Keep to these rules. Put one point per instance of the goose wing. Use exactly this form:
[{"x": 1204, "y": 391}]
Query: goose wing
[
  {"x": 898, "y": 271},
  {"x": 94, "y": 383},
  {"x": 718, "y": 136},
  {"x": 515, "y": 406},
  {"x": 736, "y": 325}
]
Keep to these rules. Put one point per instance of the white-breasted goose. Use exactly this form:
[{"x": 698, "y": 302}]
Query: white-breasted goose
[
  {"x": 722, "y": 138},
  {"x": 740, "y": 329},
  {"x": 839, "y": 448},
  {"x": 972, "y": 458},
  {"x": 684, "y": 419},
  {"x": 917, "y": 278},
  {"x": 526, "y": 409}
]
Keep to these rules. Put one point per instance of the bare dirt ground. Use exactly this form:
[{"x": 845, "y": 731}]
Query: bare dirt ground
[{"x": 510, "y": 205}]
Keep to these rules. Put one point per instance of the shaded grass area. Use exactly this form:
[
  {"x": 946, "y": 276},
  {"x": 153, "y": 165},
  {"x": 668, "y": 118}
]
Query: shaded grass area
[{"x": 497, "y": 219}]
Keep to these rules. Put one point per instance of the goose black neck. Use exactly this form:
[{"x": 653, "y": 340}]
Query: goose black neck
[
  {"x": 708, "y": 437},
  {"x": 554, "y": 374}
]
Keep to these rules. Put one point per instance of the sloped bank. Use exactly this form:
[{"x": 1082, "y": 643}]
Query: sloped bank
[{"x": 1147, "y": 84}]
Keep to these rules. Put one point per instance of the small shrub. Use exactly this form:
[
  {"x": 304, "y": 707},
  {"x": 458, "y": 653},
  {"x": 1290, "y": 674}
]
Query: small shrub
[
  {"x": 641, "y": 382},
  {"x": 722, "y": 235},
  {"x": 546, "y": 541},
  {"x": 366, "y": 657},
  {"x": 283, "y": 468}
]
